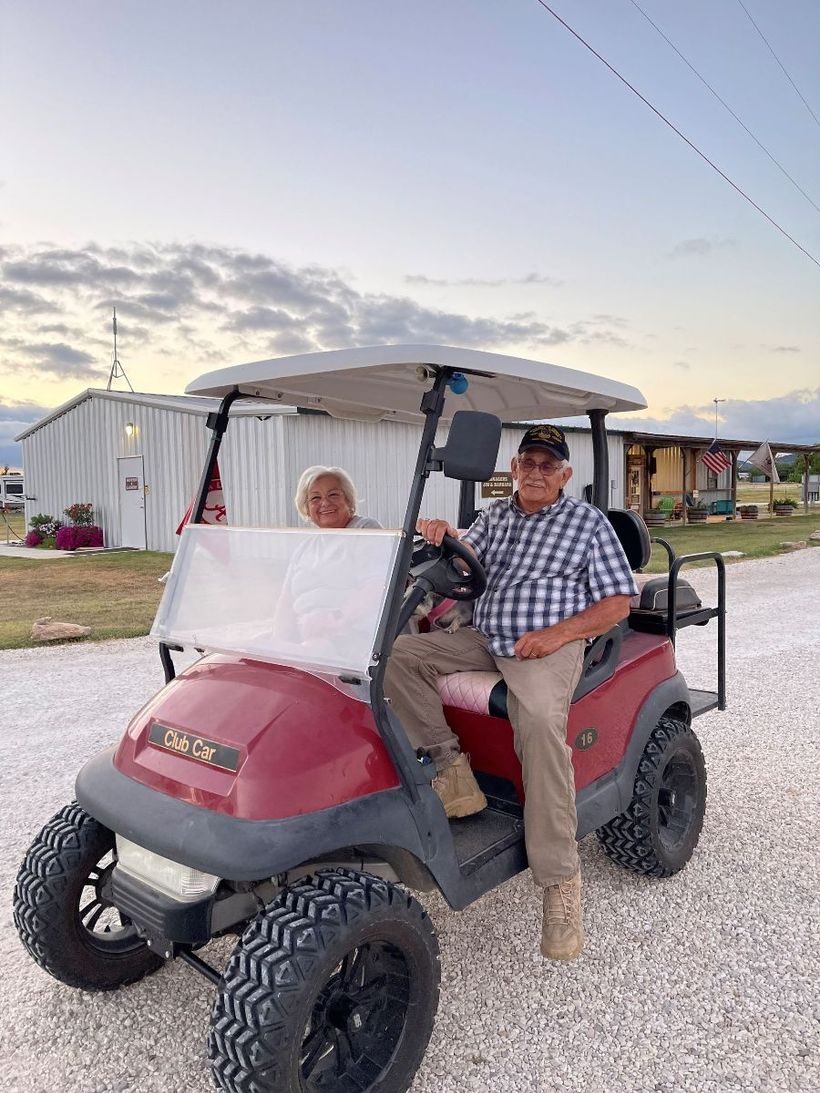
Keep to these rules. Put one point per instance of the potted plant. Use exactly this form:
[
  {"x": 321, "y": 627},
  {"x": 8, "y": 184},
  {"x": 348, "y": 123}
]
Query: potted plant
[
  {"x": 748, "y": 512},
  {"x": 784, "y": 506},
  {"x": 655, "y": 518},
  {"x": 697, "y": 512}
]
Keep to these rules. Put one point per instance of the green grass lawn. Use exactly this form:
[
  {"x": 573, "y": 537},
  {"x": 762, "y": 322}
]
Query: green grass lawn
[
  {"x": 117, "y": 595},
  {"x": 757, "y": 493},
  {"x": 12, "y": 525},
  {"x": 757, "y": 539}
]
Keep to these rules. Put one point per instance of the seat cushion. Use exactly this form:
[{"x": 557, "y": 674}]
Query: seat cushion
[{"x": 476, "y": 692}]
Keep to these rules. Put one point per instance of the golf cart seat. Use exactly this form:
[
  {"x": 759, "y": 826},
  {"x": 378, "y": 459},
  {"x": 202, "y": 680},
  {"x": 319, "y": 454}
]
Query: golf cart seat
[
  {"x": 648, "y": 609},
  {"x": 486, "y": 692}
]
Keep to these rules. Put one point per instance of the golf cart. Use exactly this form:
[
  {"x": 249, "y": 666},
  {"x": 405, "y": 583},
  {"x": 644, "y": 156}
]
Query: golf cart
[{"x": 269, "y": 791}]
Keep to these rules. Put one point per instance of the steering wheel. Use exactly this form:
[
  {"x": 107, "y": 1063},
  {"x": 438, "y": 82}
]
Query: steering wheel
[{"x": 450, "y": 570}]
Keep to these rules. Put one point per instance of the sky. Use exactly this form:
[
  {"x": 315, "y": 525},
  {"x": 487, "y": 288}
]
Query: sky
[{"x": 249, "y": 180}]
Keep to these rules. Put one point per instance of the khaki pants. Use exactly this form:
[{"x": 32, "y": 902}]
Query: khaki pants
[{"x": 539, "y": 694}]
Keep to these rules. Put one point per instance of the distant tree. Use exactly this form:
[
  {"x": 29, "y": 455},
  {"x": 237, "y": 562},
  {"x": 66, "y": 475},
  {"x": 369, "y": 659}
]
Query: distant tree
[{"x": 796, "y": 472}]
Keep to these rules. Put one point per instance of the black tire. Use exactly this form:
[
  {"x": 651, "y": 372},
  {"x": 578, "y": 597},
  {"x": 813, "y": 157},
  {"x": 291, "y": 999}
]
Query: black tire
[
  {"x": 63, "y": 919},
  {"x": 287, "y": 1019},
  {"x": 658, "y": 833}
]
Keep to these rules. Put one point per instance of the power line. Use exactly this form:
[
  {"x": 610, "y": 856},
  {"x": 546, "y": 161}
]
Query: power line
[
  {"x": 785, "y": 73},
  {"x": 674, "y": 129},
  {"x": 725, "y": 104}
]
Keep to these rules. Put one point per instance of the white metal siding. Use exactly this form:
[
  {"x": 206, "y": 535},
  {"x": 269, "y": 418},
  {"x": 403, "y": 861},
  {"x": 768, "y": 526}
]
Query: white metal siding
[{"x": 74, "y": 458}]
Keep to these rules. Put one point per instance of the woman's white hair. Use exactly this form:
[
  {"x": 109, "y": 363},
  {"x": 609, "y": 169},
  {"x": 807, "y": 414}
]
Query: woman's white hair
[{"x": 309, "y": 477}]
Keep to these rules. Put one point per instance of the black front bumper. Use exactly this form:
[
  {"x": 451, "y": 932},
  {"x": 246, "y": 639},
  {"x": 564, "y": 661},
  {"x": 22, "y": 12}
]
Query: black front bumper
[
  {"x": 235, "y": 849},
  {"x": 159, "y": 917}
]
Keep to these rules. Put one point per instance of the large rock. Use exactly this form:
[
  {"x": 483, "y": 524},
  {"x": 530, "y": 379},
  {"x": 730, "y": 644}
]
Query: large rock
[
  {"x": 47, "y": 630},
  {"x": 815, "y": 535},
  {"x": 800, "y": 545}
]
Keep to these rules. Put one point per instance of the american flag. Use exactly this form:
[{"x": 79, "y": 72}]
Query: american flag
[{"x": 715, "y": 458}]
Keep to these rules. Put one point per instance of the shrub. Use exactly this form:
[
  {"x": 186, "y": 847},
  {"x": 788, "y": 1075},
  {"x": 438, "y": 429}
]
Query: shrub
[
  {"x": 785, "y": 503},
  {"x": 81, "y": 514},
  {"x": 71, "y": 538},
  {"x": 33, "y": 539},
  {"x": 47, "y": 526}
]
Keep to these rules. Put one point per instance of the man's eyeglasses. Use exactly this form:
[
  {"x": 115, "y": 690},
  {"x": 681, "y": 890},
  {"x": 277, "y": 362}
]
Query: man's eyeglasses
[{"x": 528, "y": 465}]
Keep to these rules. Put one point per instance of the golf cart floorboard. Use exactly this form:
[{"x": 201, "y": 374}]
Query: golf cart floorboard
[
  {"x": 481, "y": 837},
  {"x": 702, "y": 702}
]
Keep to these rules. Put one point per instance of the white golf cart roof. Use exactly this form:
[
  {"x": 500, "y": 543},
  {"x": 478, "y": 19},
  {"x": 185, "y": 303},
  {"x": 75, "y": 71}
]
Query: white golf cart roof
[{"x": 387, "y": 381}]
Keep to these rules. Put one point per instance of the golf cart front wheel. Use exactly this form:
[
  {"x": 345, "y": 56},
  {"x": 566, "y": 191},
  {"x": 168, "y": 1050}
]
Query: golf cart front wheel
[
  {"x": 658, "y": 833},
  {"x": 334, "y": 986},
  {"x": 61, "y": 911}
]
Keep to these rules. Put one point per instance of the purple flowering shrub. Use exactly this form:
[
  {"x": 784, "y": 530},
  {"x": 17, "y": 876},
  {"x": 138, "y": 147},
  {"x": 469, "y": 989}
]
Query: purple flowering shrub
[
  {"x": 33, "y": 539},
  {"x": 71, "y": 538}
]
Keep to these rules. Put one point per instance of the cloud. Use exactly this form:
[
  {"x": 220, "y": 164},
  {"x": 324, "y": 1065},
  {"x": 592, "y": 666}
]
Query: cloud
[
  {"x": 786, "y": 349},
  {"x": 213, "y": 302},
  {"x": 14, "y": 418},
  {"x": 59, "y": 359},
  {"x": 789, "y": 419},
  {"x": 701, "y": 247},
  {"x": 683, "y": 365},
  {"x": 480, "y": 282},
  {"x": 23, "y": 300}
]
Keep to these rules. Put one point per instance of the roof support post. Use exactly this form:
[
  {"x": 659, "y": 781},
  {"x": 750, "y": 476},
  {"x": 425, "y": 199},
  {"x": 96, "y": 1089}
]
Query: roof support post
[
  {"x": 734, "y": 483},
  {"x": 600, "y": 461}
]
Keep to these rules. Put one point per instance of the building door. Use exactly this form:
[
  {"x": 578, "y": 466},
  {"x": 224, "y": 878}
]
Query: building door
[{"x": 132, "y": 501}]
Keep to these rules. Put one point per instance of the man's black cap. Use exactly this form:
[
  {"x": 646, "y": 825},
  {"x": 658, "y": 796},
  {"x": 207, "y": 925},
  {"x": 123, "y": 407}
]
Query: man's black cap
[{"x": 549, "y": 437}]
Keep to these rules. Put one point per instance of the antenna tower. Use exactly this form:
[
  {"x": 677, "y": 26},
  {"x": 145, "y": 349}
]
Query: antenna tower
[{"x": 117, "y": 371}]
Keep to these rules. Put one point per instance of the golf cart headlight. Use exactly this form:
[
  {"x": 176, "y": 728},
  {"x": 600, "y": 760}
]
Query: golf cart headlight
[{"x": 179, "y": 881}]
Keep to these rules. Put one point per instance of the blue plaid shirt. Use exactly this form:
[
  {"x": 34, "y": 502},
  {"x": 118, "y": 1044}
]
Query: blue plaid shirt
[{"x": 543, "y": 567}]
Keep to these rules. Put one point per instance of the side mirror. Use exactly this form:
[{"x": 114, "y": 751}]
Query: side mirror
[{"x": 471, "y": 451}]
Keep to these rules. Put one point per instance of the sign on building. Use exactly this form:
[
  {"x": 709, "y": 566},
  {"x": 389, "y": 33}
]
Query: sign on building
[{"x": 498, "y": 485}]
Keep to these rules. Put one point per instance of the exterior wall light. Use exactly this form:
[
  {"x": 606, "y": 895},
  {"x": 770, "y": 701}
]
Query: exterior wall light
[{"x": 129, "y": 428}]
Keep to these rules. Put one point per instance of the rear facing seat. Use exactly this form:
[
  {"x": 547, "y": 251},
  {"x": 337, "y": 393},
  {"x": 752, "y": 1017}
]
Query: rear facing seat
[{"x": 486, "y": 692}]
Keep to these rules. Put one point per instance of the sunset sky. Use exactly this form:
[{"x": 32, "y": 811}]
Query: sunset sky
[{"x": 247, "y": 180}]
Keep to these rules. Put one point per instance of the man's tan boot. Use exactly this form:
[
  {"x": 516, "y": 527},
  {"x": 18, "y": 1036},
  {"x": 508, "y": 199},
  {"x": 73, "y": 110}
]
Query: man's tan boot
[
  {"x": 459, "y": 791},
  {"x": 562, "y": 935}
]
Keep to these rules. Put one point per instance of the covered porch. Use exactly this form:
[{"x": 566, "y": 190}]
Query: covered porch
[{"x": 665, "y": 475}]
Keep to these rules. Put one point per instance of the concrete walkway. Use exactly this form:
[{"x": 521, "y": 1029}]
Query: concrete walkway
[{"x": 31, "y": 553}]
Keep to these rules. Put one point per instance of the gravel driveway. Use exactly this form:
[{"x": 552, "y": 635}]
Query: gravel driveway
[{"x": 706, "y": 981}]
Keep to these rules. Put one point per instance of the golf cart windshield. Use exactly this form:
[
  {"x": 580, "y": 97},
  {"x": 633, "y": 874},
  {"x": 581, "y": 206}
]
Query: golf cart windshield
[{"x": 311, "y": 599}]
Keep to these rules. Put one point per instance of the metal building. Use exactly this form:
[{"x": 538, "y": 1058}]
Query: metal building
[{"x": 137, "y": 458}]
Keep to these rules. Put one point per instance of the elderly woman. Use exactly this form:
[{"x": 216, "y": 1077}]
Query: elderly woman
[
  {"x": 327, "y": 498},
  {"x": 324, "y": 596}
]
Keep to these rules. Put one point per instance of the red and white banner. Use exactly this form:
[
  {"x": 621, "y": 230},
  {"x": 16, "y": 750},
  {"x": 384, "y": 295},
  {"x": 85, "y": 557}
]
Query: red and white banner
[{"x": 214, "y": 511}]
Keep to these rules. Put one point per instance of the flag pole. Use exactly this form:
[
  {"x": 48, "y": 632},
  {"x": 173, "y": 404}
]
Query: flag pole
[{"x": 716, "y": 401}]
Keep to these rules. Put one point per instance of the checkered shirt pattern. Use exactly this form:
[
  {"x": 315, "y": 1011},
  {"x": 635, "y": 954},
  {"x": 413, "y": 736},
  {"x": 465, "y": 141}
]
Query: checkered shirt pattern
[{"x": 543, "y": 567}]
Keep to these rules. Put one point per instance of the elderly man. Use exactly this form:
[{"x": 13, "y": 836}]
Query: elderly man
[{"x": 557, "y": 575}]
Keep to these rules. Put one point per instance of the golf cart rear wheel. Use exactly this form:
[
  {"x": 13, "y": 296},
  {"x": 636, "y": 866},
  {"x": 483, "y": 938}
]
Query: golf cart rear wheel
[
  {"x": 334, "y": 986},
  {"x": 658, "y": 833},
  {"x": 62, "y": 914}
]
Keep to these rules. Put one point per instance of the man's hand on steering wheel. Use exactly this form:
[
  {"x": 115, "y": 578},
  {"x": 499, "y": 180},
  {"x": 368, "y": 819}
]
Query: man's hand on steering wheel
[{"x": 435, "y": 530}]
